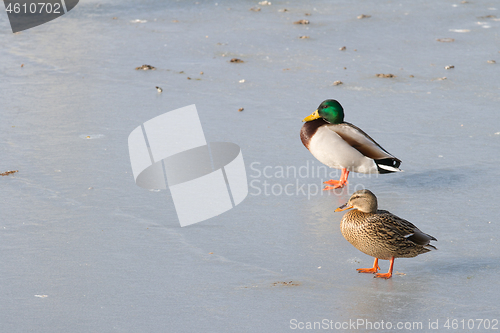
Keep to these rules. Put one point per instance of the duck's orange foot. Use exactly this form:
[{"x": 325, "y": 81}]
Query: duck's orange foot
[
  {"x": 335, "y": 183},
  {"x": 332, "y": 182},
  {"x": 326, "y": 188},
  {"x": 383, "y": 275},
  {"x": 374, "y": 269},
  {"x": 368, "y": 270}
]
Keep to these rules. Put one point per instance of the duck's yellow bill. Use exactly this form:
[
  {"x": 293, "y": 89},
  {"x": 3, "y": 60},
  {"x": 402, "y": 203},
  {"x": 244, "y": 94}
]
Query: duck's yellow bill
[
  {"x": 314, "y": 115},
  {"x": 343, "y": 207}
]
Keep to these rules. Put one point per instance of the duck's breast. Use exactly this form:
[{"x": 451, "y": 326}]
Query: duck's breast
[
  {"x": 358, "y": 229},
  {"x": 332, "y": 150}
]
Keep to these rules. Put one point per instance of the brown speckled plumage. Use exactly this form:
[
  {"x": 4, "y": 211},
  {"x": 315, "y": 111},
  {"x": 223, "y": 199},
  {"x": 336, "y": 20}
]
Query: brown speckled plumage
[
  {"x": 384, "y": 235},
  {"x": 380, "y": 234}
]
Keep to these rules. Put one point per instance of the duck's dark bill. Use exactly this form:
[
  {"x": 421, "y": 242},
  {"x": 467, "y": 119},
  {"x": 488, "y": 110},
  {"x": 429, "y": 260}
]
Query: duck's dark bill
[
  {"x": 313, "y": 116},
  {"x": 343, "y": 207}
]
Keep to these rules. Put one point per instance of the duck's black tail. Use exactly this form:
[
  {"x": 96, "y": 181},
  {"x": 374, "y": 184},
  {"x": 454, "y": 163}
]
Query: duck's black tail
[{"x": 387, "y": 165}]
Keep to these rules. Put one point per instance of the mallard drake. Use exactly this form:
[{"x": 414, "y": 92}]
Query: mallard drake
[
  {"x": 341, "y": 145},
  {"x": 379, "y": 233}
]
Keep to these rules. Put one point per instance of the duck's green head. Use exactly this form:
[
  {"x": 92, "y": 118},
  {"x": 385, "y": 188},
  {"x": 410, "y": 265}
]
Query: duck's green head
[{"x": 330, "y": 110}]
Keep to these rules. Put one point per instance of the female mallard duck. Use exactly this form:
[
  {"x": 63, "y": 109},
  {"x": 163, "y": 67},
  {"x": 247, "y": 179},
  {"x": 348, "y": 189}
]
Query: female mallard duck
[
  {"x": 379, "y": 233},
  {"x": 342, "y": 145}
]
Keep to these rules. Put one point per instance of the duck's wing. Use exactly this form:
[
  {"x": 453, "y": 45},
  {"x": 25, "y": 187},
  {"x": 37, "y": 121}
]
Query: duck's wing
[
  {"x": 405, "y": 228},
  {"x": 362, "y": 142}
]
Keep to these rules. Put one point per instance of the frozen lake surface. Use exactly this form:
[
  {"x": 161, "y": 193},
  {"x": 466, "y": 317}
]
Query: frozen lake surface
[{"x": 86, "y": 250}]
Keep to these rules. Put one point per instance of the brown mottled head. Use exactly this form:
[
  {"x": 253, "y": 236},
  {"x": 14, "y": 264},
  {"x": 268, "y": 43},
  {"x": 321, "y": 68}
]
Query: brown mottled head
[{"x": 364, "y": 201}]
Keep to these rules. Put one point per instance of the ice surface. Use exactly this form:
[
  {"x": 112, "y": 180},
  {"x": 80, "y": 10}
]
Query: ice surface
[{"x": 86, "y": 250}]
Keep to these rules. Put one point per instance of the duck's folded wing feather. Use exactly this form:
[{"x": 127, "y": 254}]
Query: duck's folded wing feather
[
  {"x": 361, "y": 141},
  {"x": 404, "y": 228}
]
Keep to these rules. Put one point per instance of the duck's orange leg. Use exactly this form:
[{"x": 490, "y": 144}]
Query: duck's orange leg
[
  {"x": 388, "y": 274},
  {"x": 374, "y": 269},
  {"x": 337, "y": 183}
]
